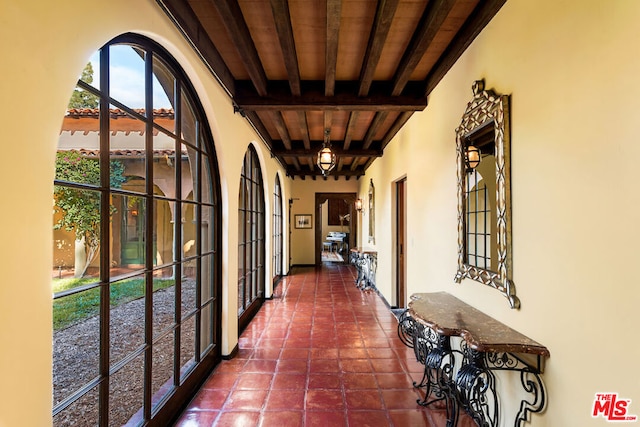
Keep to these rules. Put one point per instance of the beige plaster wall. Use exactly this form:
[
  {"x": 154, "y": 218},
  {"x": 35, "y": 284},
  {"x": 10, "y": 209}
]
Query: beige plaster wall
[
  {"x": 45, "y": 46},
  {"x": 571, "y": 68}
]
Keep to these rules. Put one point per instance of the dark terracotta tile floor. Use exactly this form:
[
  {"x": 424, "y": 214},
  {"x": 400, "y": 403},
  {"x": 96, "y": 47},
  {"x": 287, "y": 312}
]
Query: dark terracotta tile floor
[{"x": 320, "y": 353}]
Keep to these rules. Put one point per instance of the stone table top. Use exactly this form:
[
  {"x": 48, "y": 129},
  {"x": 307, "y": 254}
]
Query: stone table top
[
  {"x": 449, "y": 316},
  {"x": 362, "y": 250}
]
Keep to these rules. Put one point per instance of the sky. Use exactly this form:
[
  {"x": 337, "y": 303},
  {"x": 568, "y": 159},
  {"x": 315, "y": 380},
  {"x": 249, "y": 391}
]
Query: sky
[{"x": 127, "y": 78}]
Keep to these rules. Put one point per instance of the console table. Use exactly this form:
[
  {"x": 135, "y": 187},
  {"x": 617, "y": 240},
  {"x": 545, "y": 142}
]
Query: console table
[
  {"x": 473, "y": 362},
  {"x": 366, "y": 261}
]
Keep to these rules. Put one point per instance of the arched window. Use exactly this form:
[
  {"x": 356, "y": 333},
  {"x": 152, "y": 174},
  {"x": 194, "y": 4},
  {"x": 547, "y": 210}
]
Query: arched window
[
  {"x": 277, "y": 231},
  {"x": 137, "y": 281},
  {"x": 251, "y": 246}
]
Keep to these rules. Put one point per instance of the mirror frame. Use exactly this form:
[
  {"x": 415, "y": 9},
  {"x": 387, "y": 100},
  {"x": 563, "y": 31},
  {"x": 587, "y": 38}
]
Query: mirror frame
[
  {"x": 372, "y": 212},
  {"x": 486, "y": 107}
]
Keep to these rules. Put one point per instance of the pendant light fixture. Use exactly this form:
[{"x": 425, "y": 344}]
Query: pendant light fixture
[{"x": 326, "y": 158}]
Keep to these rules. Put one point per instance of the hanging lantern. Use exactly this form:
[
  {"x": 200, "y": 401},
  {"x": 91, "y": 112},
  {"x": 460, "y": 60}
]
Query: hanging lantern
[{"x": 326, "y": 158}]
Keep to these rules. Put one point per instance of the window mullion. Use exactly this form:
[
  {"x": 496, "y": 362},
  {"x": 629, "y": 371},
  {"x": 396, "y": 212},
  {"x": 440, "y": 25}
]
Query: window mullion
[
  {"x": 197, "y": 187},
  {"x": 177, "y": 230},
  {"x": 148, "y": 233},
  {"x": 105, "y": 204}
]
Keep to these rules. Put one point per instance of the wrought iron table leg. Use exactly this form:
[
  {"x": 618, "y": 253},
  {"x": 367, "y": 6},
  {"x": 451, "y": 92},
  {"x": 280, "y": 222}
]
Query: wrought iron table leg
[
  {"x": 530, "y": 380},
  {"x": 476, "y": 389}
]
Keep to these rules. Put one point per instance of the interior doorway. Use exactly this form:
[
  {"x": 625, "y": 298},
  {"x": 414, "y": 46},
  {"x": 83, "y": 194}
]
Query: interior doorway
[
  {"x": 335, "y": 226},
  {"x": 401, "y": 237}
]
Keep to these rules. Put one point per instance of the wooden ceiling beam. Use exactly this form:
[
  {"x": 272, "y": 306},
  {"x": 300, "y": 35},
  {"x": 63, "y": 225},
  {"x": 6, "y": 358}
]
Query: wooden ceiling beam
[
  {"x": 354, "y": 165},
  {"x": 282, "y": 17},
  {"x": 334, "y": 13},
  {"x": 235, "y": 24},
  {"x": 301, "y": 152},
  {"x": 316, "y": 173},
  {"x": 317, "y": 88},
  {"x": 281, "y": 127},
  {"x": 296, "y": 165},
  {"x": 477, "y": 20},
  {"x": 328, "y": 122},
  {"x": 186, "y": 20},
  {"x": 331, "y": 103},
  {"x": 377, "y": 121},
  {"x": 395, "y": 128},
  {"x": 432, "y": 19},
  {"x": 304, "y": 129},
  {"x": 367, "y": 164},
  {"x": 351, "y": 128},
  {"x": 381, "y": 24}
]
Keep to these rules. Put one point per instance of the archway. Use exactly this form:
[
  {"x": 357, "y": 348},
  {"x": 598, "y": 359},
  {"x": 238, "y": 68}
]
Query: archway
[{"x": 350, "y": 199}]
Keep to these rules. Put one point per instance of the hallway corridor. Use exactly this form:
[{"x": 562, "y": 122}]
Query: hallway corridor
[{"x": 320, "y": 353}]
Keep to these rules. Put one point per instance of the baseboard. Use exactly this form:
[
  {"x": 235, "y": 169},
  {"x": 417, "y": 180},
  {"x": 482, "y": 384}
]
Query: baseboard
[
  {"x": 384, "y": 300},
  {"x": 276, "y": 281},
  {"x": 233, "y": 353}
]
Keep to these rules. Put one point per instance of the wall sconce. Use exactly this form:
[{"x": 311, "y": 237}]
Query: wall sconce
[
  {"x": 326, "y": 158},
  {"x": 471, "y": 157},
  {"x": 359, "y": 205}
]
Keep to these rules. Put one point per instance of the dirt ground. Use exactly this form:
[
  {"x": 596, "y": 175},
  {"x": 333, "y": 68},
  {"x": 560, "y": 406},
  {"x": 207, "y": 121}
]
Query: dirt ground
[{"x": 76, "y": 357}]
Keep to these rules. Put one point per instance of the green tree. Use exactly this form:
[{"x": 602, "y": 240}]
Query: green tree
[
  {"x": 80, "y": 97},
  {"x": 80, "y": 209}
]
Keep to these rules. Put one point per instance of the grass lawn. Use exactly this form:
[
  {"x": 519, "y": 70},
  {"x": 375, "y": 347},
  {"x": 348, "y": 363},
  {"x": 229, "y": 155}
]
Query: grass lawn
[{"x": 74, "y": 308}]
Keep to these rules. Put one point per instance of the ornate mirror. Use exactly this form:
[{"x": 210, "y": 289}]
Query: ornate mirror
[{"x": 484, "y": 194}]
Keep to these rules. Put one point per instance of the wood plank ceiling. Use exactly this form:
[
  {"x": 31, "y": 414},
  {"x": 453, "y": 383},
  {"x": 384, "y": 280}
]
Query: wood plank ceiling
[{"x": 354, "y": 70}]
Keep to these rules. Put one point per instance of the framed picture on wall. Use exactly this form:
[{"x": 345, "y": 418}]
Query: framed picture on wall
[{"x": 303, "y": 221}]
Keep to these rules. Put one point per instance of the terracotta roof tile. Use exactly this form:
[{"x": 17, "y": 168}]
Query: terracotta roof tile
[
  {"x": 85, "y": 120},
  {"x": 127, "y": 152},
  {"x": 77, "y": 113}
]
